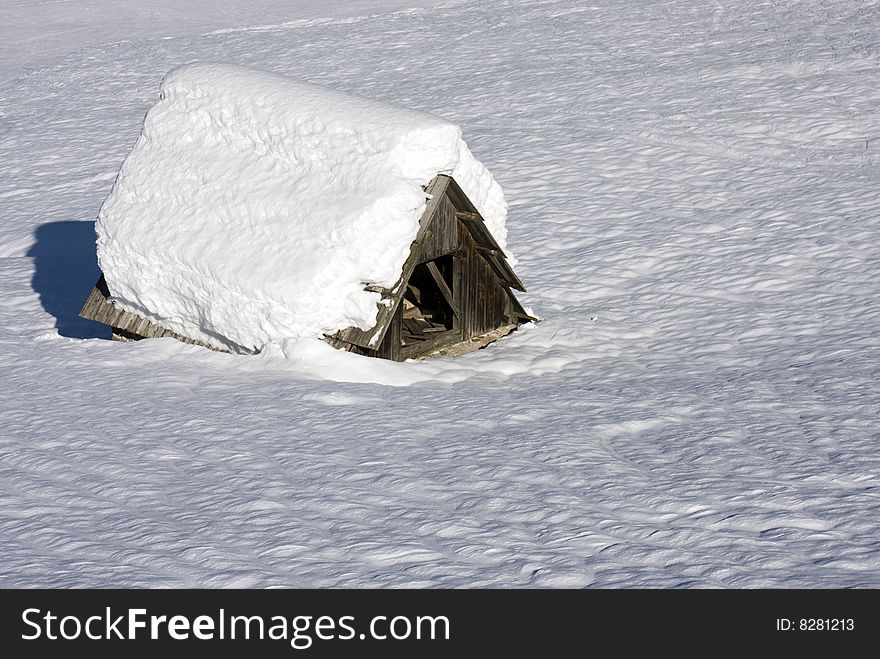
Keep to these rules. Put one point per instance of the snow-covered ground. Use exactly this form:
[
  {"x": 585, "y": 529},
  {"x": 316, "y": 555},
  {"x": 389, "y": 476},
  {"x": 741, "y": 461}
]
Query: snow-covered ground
[
  {"x": 33, "y": 32},
  {"x": 693, "y": 204}
]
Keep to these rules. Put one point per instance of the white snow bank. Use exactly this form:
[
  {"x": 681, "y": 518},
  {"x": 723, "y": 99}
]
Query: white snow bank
[{"x": 254, "y": 209}]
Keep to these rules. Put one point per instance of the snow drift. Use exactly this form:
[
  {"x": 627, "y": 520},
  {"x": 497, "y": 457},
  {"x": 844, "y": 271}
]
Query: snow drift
[{"x": 254, "y": 208}]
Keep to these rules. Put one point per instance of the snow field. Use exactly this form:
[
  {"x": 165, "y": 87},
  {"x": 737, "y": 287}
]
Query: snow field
[{"x": 692, "y": 193}]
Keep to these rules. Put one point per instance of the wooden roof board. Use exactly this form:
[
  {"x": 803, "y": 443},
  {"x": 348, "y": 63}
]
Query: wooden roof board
[{"x": 99, "y": 308}]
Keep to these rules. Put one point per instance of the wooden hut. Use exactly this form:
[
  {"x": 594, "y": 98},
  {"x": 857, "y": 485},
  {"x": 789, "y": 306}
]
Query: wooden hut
[{"x": 454, "y": 295}]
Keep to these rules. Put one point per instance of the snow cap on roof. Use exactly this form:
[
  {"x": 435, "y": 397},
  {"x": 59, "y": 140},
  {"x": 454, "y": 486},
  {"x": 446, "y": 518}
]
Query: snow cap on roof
[{"x": 254, "y": 208}]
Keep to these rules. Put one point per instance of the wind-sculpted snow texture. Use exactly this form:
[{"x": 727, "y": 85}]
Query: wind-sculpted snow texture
[{"x": 693, "y": 203}]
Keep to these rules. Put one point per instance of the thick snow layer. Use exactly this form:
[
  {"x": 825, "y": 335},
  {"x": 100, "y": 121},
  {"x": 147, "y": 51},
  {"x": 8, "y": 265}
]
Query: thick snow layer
[
  {"x": 693, "y": 199},
  {"x": 254, "y": 208}
]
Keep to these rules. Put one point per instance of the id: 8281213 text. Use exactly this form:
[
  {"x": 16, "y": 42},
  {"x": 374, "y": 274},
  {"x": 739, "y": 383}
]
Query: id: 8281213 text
[{"x": 815, "y": 624}]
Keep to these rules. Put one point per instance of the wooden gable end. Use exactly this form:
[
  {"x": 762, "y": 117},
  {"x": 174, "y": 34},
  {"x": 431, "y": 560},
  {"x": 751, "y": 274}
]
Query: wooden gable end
[
  {"x": 456, "y": 256},
  {"x": 373, "y": 337}
]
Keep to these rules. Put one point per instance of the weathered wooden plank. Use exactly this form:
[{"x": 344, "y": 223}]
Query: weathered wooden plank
[
  {"x": 473, "y": 290},
  {"x": 485, "y": 287},
  {"x": 478, "y": 230},
  {"x": 442, "y": 237},
  {"x": 518, "y": 310},
  {"x": 130, "y": 326},
  {"x": 412, "y": 327},
  {"x": 428, "y": 346},
  {"x": 460, "y": 199},
  {"x": 381, "y": 290},
  {"x": 391, "y": 344},
  {"x": 485, "y": 292},
  {"x": 473, "y": 343},
  {"x": 505, "y": 272},
  {"x": 444, "y": 288},
  {"x": 458, "y": 265}
]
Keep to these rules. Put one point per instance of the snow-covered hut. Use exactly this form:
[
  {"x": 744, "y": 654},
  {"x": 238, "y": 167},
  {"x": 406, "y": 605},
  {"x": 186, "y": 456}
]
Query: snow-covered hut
[{"x": 255, "y": 209}]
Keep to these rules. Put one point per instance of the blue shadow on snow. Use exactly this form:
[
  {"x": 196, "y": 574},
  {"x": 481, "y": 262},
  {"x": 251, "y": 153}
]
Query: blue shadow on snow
[{"x": 66, "y": 269}]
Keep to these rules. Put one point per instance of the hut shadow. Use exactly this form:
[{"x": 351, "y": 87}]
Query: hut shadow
[{"x": 65, "y": 271}]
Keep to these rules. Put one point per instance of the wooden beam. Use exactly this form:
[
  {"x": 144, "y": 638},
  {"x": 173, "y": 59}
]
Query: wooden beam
[
  {"x": 424, "y": 348},
  {"x": 130, "y": 326},
  {"x": 381, "y": 290},
  {"x": 525, "y": 317},
  {"x": 412, "y": 326},
  {"x": 470, "y": 218},
  {"x": 441, "y": 284}
]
